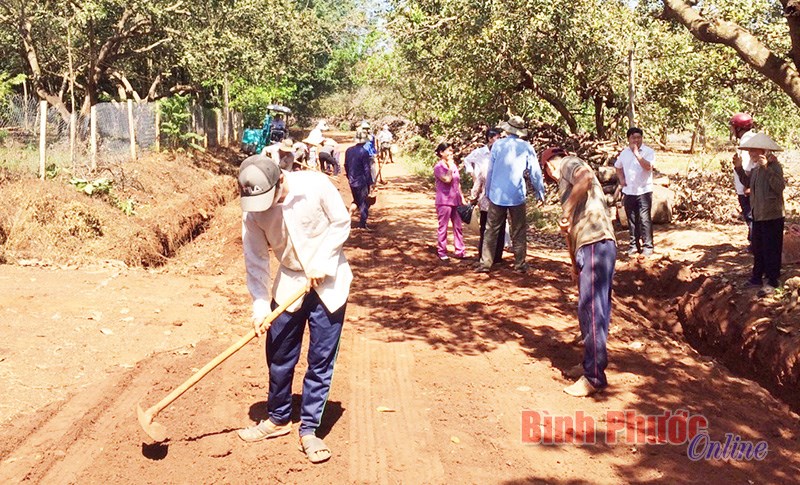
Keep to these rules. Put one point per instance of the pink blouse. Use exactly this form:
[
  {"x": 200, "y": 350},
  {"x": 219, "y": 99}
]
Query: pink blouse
[{"x": 447, "y": 194}]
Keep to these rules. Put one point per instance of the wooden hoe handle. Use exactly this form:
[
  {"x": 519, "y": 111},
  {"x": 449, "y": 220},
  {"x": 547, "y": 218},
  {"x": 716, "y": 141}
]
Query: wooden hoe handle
[{"x": 190, "y": 382}]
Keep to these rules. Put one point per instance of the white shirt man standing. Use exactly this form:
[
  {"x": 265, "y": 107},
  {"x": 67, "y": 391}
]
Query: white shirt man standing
[{"x": 635, "y": 173}]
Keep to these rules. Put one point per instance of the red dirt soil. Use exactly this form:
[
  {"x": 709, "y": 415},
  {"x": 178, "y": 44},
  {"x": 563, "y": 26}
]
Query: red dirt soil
[{"x": 456, "y": 355}]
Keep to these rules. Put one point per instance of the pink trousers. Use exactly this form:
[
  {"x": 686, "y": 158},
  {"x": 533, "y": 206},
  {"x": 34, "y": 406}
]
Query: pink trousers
[{"x": 448, "y": 213}]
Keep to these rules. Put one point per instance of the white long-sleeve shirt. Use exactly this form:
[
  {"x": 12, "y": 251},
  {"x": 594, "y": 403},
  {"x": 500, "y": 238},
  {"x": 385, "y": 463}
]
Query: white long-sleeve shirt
[
  {"x": 477, "y": 159},
  {"x": 306, "y": 232},
  {"x": 747, "y": 165}
]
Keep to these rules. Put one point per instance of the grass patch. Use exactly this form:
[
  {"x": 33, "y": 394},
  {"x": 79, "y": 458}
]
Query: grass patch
[
  {"x": 25, "y": 158},
  {"x": 418, "y": 156},
  {"x": 545, "y": 218}
]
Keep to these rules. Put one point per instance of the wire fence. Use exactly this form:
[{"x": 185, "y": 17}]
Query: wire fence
[{"x": 38, "y": 137}]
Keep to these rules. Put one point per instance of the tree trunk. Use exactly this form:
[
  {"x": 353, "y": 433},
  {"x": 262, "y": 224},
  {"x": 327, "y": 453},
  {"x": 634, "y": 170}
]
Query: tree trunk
[
  {"x": 599, "y": 116},
  {"x": 694, "y": 135},
  {"x": 631, "y": 88},
  {"x": 529, "y": 82},
  {"x": 791, "y": 11},
  {"x": 24, "y": 30},
  {"x": 226, "y": 112},
  {"x": 554, "y": 101},
  {"x": 751, "y": 50},
  {"x": 152, "y": 92}
]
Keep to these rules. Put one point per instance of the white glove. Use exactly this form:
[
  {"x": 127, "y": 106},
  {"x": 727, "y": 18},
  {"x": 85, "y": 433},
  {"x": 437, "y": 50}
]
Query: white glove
[{"x": 261, "y": 310}]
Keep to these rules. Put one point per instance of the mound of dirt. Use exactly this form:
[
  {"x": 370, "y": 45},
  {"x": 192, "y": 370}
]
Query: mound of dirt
[
  {"x": 173, "y": 198},
  {"x": 758, "y": 338}
]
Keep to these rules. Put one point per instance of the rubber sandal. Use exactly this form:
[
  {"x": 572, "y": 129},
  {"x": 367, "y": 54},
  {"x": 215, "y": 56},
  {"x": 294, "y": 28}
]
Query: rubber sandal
[
  {"x": 315, "y": 449},
  {"x": 263, "y": 430}
]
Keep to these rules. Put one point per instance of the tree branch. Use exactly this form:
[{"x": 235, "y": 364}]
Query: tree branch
[
  {"x": 749, "y": 48},
  {"x": 151, "y": 93}
]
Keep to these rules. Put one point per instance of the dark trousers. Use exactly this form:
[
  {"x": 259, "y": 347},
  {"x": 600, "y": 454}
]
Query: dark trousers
[
  {"x": 284, "y": 340},
  {"x": 360, "y": 198},
  {"x": 498, "y": 252},
  {"x": 767, "y": 249},
  {"x": 596, "y": 264},
  {"x": 640, "y": 221},
  {"x": 328, "y": 163},
  {"x": 747, "y": 214},
  {"x": 495, "y": 220}
]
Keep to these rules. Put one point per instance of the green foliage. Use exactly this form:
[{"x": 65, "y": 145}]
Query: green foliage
[
  {"x": 127, "y": 206},
  {"x": 3, "y": 136},
  {"x": 543, "y": 218},
  {"x": 51, "y": 170},
  {"x": 252, "y": 101},
  {"x": 7, "y": 83},
  {"x": 101, "y": 186},
  {"x": 566, "y": 62},
  {"x": 175, "y": 121},
  {"x": 104, "y": 187},
  {"x": 516, "y": 56},
  {"x": 419, "y": 156}
]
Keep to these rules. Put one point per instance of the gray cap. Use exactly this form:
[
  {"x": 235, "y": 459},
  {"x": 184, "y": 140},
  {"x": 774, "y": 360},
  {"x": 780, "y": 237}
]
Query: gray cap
[{"x": 258, "y": 178}]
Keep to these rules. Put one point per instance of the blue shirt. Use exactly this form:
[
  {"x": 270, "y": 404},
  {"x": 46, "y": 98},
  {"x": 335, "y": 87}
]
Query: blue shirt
[
  {"x": 357, "y": 163},
  {"x": 505, "y": 180},
  {"x": 370, "y": 146}
]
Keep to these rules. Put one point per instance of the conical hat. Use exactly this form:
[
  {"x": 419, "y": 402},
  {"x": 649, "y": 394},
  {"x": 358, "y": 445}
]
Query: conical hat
[{"x": 760, "y": 141}]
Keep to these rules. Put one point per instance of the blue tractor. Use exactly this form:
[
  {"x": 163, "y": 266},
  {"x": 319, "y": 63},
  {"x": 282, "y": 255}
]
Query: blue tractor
[{"x": 274, "y": 130}]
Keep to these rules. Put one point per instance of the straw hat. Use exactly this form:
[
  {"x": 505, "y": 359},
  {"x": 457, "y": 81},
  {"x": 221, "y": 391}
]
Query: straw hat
[
  {"x": 514, "y": 126},
  {"x": 760, "y": 141},
  {"x": 286, "y": 146}
]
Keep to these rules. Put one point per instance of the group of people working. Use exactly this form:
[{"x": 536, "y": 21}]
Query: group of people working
[
  {"x": 502, "y": 169},
  {"x": 302, "y": 217}
]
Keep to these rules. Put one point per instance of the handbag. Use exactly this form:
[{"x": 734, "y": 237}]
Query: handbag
[
  {"x": 372, "y": 196},
  {"x": 465, "y": 212},
  {"x": 475, "y": 223}
]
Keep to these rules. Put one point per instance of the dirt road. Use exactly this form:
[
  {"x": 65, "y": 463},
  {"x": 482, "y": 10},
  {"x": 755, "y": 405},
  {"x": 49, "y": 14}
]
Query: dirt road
[{"x": 456, "y": 357}]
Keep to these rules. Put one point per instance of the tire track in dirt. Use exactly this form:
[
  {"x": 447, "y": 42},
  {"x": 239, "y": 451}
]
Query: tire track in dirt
[
  {"x": 392, "y": 446},
  {"x": 58, "y": 448}
]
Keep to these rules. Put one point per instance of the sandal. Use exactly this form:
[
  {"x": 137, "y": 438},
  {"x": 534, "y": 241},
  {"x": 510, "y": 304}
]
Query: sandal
[
  {"x": 263, "y": 430},
  {"x": 315, "y": 449}
]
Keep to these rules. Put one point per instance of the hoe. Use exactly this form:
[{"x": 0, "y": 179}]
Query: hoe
[{"x": 157, "y": 431}]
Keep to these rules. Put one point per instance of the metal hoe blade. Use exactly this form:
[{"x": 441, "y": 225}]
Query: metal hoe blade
[{"x": 154, "y": 430}]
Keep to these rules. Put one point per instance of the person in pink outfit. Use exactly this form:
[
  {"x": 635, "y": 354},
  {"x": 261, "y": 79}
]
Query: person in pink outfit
[{"x": 448, "y": 197}]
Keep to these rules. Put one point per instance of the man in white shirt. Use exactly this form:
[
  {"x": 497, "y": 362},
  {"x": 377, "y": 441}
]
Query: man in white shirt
[
  {"x": 478, "y": 159},
  {"x": 278, "y": 127},
  {"x": 742, "y": 128},
  {"x": 302, "y": 217},
  {"x": 385, "y": 139},
  {"x": 635, "y": 173}
]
